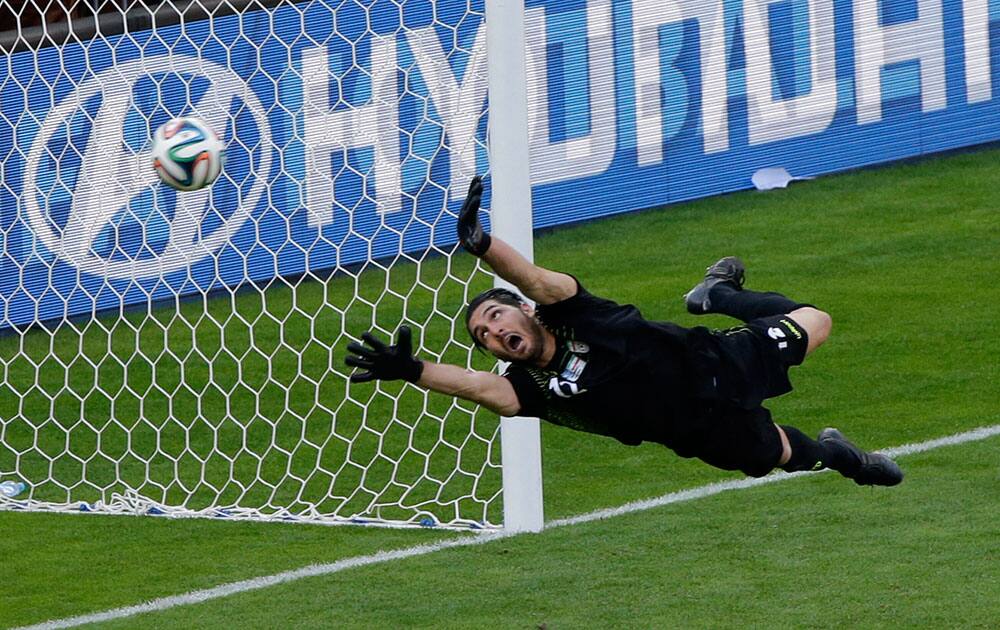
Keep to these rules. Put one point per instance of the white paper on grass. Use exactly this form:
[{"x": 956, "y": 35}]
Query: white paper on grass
[{"x": 773, "y": 177}]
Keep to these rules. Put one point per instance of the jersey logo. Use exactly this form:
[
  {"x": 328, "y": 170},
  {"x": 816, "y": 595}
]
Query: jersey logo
[
  {"x": 574, "y": 368},
  {"x": 564, "y": 389},
  {"x": 578, "y": 347}
]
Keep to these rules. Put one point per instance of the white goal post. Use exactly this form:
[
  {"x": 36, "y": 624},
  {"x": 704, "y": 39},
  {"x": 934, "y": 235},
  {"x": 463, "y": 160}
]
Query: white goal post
[
  {"x": 512, "y": 221},
  {"x": 181, "y": 354}
]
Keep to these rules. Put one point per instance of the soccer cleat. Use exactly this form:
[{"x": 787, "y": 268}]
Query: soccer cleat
[
  {"x": 867, "y": 469},
  {"x": 730, "y": 270}
]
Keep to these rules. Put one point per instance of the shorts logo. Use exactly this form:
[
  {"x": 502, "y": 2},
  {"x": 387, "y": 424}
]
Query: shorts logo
[
  {"x": 564, "y": 389},
  {"x": 777, "y": 334},
  {"x": 791, "y": 327}
]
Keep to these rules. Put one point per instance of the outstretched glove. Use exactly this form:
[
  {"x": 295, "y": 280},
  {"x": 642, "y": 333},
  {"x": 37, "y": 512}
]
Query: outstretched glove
[
  {"x": 470, "y": 231},
  {"x": 385, "y": 363}
]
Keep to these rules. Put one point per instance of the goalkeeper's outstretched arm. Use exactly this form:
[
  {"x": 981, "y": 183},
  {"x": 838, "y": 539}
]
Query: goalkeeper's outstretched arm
[
  {"x": 377, "y": 361},
  {"x": 537, "y": 283},
  {"x": 485, "y": 388}
]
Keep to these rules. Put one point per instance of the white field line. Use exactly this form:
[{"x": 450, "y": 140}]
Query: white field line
[{"x": 253, "y": 584}]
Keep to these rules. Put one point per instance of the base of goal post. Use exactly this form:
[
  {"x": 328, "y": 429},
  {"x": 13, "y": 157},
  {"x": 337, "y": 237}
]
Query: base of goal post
[{"x": 520, "y": 442}]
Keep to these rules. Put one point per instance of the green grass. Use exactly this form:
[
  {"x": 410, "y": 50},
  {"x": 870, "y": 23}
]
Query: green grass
[
  {"x": 806, "y": 553},
  {"x": 899, "y": 256}
]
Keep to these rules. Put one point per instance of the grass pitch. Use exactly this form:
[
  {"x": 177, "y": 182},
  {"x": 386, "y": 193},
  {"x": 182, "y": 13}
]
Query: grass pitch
[{"x": 899, "y": 256}]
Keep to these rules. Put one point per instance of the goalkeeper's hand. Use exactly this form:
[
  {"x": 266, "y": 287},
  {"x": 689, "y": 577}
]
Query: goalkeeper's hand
[
  {"x": 470, "y": 231},
  {"x": 385, "y": 363}
]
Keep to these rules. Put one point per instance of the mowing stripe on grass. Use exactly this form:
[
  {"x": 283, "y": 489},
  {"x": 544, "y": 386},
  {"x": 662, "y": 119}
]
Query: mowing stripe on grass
[{"x": 700, "y": 492}]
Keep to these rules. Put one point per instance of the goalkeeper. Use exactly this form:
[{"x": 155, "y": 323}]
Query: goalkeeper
[{"x": 590, "y": 364}]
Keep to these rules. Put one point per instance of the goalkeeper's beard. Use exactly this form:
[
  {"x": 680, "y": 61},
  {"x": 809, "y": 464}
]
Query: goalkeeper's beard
[{"x": 532, "y": 346}]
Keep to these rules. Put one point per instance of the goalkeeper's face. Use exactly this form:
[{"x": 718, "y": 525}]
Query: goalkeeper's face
[{"x": 510, "y": 333}]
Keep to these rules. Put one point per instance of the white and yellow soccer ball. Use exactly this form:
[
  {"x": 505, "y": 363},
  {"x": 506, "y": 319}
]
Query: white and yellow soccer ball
[{"x": 187, "y": 153}]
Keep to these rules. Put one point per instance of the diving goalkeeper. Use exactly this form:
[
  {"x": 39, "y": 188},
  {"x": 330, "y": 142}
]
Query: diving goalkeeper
[{"x": 590, "y": 364}]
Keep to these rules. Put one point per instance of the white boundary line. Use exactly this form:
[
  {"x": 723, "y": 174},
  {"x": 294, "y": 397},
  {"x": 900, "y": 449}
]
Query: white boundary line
[{"x": 253, "y": 584}]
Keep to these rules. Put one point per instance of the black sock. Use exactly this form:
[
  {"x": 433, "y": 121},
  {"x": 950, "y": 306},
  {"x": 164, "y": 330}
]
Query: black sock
[
  {"x": 747, "y": 305},
  {"x": 808, "y": 454}
]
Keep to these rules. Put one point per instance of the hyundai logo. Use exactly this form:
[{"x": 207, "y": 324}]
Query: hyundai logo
[{"x": 113, "y": 178}]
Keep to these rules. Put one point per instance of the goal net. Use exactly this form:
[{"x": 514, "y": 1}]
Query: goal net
[{"x": 182, "y": 353}]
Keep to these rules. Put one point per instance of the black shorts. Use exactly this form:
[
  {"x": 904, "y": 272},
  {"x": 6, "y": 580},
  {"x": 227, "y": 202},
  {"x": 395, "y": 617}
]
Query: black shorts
[
  {"x": 732, "y": 438},
  {"x": 754, "y": 359},
  {"x": 727, "y": 427}
]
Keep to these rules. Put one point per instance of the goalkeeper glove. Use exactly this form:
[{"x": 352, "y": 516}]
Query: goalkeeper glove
[
  {"x": 385, "y": 363},
  {"x": 470, "y": 231}
]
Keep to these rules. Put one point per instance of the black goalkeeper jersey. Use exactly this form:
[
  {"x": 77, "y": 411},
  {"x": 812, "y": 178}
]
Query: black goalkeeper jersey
[{"x": 614, "y": 373}]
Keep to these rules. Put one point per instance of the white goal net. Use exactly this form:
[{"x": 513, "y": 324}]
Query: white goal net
[{"x": 182, "y": 353}]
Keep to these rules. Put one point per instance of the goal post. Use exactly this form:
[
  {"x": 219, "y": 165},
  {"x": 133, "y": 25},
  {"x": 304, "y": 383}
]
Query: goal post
[
  {"x": 512, "y": 220},
  {"x": 182, "y": 354}
]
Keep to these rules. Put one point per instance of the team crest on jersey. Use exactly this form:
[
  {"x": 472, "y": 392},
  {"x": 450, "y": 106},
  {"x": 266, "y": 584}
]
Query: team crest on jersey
[
  {"x": 577, "y": 347},
  {"x": 574, "y": 368}
]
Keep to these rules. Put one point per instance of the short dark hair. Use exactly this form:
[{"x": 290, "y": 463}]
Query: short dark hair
[{"x": 503, "y": 296}]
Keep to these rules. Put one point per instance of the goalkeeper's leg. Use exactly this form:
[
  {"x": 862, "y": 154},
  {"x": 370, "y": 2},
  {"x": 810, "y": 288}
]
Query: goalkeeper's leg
[
  {"x": 815, "y": 322},
  {"x": 832, "y": 450},
  {"x": 748, "y": 440},
  {"x": 721, "y": 291}
]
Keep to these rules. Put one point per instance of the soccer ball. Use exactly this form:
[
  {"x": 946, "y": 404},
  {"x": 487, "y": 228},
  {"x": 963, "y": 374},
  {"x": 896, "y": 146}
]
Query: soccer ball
[{"x": 187, "y": 153}]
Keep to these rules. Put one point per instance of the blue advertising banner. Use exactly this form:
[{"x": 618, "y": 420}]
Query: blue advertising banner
[{"x": 352, "y": 127}]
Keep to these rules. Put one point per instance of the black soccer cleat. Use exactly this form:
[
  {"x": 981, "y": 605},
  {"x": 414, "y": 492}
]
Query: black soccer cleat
[
  {"x": 730, "y": 270},
  {"x": 866, "y": 469}
]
